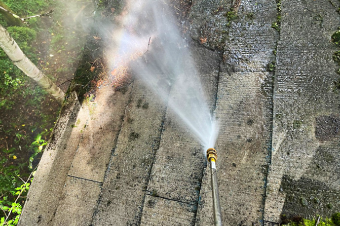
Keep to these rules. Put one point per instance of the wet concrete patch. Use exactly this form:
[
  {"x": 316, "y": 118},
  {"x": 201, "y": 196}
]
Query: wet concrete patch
[
  {"x": 327, "y": 127},
  {"x": 308, "y": 198}
]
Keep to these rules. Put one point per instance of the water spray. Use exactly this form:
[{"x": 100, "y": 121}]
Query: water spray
[{"x": 212, "y": 157}]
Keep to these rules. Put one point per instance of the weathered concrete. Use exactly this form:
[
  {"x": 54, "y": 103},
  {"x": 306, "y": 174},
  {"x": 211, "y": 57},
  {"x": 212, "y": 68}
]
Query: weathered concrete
[
  {"x": 100, "y": 134},
  {"x": 132, "y": 159},
  {"x": 86, "y": 175},
  {"x": 305, "y": 147},
  {"x": 244, "y": 110}
]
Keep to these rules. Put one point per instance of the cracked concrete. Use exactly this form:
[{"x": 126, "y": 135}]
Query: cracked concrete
[{"x": 124, "y": 159}]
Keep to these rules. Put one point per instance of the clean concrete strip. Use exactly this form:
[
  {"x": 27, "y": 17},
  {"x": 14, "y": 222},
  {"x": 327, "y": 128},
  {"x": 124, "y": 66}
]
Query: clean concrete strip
[
  {"x": 124, "y": 188},
  {"x": 46, "y": 189},
  {"x": 244, "y": 110},
  {"x": 77, "y": 203},
  {"x": 305, "y": 134},
  {"x": 100, "y": 135}
]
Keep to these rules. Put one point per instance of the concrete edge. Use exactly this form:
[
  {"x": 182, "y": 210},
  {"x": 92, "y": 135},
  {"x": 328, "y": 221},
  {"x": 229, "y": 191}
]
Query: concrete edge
[{"x": 62, "y": 129}]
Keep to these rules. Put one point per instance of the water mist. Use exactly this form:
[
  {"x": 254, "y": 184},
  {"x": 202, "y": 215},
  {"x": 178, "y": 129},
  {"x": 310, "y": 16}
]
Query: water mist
[{"x": 157, "y": 53}]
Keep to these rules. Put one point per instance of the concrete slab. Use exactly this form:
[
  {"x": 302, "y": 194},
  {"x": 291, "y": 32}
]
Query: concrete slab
[
  {"x": 159, "y": 211},
  {"x": 77, "y": 203},
  {"x": 302, "y": 177},
  {"x": 103, "y": 125},
  {"x": 131, "y": 162}
]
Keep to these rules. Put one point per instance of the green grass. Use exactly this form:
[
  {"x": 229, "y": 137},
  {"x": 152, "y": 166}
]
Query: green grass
[{"x": 24, "y": 8}]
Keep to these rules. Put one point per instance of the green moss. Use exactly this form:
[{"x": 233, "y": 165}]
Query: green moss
[
  {"x": 336, "y": 57},
  {"x": 278, "y": 116},
  {"x": 276, "y": 26},
  {"x": 304, "y": 201},
  {"x": 231, "y": 15},
  {"x": 271, "y": 67},
  {"x": 336, "y": 38},
  {"x": 297, "y": 124},
  {"x": 250, "y": 16}
]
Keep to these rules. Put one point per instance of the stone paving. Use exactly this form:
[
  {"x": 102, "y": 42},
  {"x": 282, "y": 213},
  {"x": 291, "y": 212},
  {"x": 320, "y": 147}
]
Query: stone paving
[{"x": 125, "y": 159}]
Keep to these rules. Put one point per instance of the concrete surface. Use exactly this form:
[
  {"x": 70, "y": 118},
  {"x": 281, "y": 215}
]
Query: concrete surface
[
  {"x": 304, "y": 175},
  {"x": 124, "y": 159}
]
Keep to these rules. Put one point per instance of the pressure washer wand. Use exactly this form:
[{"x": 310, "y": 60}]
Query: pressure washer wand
[{"x": 212, "y": 157}]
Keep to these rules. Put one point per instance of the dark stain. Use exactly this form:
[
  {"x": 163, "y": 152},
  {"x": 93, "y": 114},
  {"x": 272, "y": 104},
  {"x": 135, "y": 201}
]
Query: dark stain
[
  {"x": 129, "y": 120},
  {"x": 139, "y": 103},
  {"x": 154, "y": 193},
  {"x": 327, "y": 127},
  {"x": 250, "y": 122},
  {"x": 133, "y": 136},
  {"x": 151, "y": 203},
  {"x": 324, "y": 162},
  {"x": 296, "y": 220},
  {"x": 306, "y": 198},
  {"x": 122, "y": 89}
]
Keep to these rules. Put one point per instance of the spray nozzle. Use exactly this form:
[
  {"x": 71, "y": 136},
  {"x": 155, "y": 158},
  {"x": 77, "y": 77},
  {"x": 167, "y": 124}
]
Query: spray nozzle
[{"x": 211, "y": 153}]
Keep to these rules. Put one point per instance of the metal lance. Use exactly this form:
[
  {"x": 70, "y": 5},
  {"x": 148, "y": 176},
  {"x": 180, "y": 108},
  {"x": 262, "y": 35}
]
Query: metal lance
[{"x": 212, "y": 157}]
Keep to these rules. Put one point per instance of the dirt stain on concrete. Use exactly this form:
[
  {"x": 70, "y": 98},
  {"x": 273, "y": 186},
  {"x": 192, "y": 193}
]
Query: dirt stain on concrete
[{"x": 327, "y": 127}]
